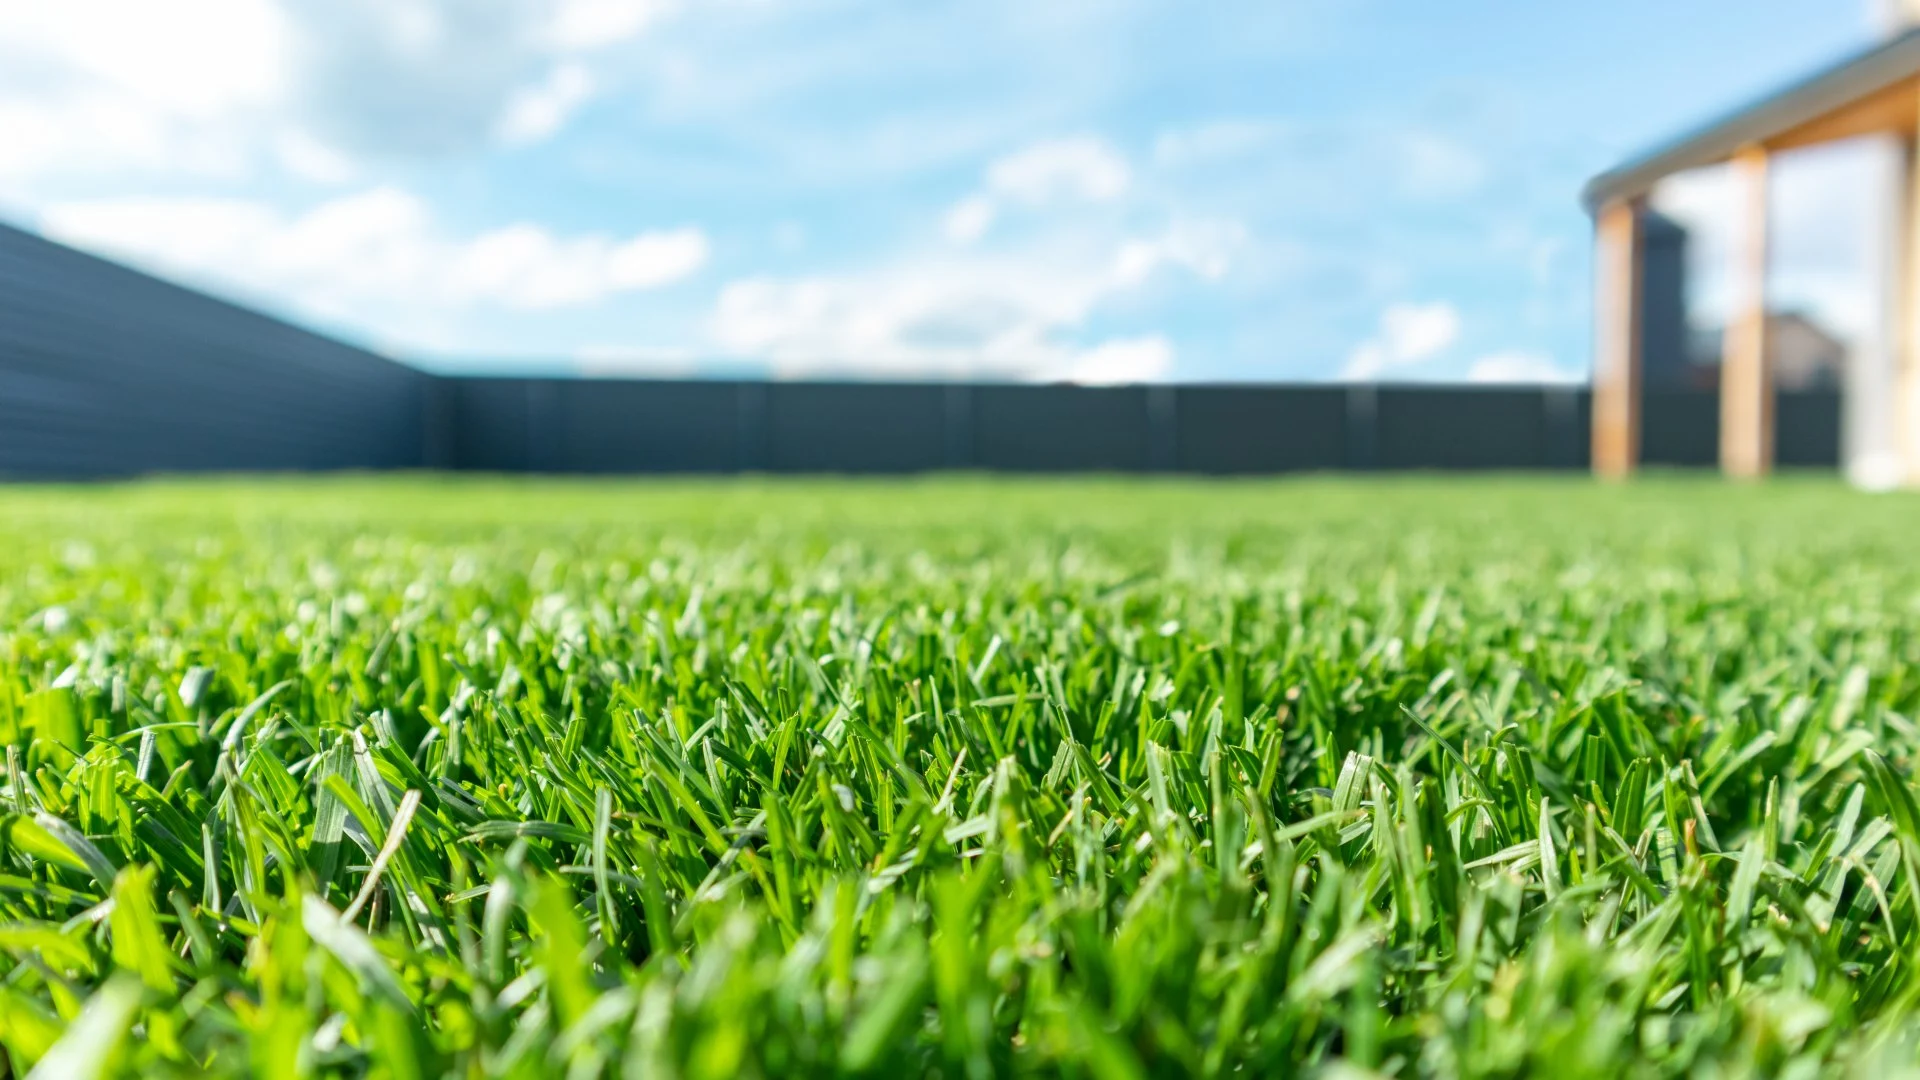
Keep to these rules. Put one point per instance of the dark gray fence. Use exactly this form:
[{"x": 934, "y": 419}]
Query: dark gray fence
[
  {"x": 107, "y": 371},
  {"x": 1681, "y": 428},
  {"x": 642, "y": 426}
]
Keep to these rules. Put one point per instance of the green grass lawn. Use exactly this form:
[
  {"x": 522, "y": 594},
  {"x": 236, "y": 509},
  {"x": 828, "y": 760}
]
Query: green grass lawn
[{"x": 415, "y": 778}]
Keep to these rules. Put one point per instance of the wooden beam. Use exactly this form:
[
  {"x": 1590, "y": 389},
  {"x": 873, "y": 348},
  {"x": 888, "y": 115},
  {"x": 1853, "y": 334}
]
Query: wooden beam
[
  {"x": 1821, "y": 107},
  {"x": 1619, "y": 249},
  {"x": 1893, "y": 109},
  {"x": 1746, "y": 384}
]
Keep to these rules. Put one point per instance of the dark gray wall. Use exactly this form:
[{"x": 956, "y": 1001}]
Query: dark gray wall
[
  {"x": 106, "y": 371},
  {"x": 853, "y": 427},
  {"x": 614, "y": 426},
  {"x": 1806, "y": 429},
  {"x": 1461, "y": 428},
  {"x": 1261, "y": 429},
  {"x": 1681, "y": 428},
  {"x": 1061, "y": 429}
]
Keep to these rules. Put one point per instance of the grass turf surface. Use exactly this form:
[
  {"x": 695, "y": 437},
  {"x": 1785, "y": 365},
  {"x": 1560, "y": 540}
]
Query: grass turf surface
[{"x": 412, "y": 778}]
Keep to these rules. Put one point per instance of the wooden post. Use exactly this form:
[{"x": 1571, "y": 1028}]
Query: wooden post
[
  {"x": 1618, "y": 299},
  {"x": 1906, "y": 380},
  {"x": 1746, "y": 383}
]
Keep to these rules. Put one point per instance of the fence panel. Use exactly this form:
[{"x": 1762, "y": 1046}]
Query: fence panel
[
  {"x": 1806, "y": 433},
  {"x": 673, "y": 427},
  {"x": 1061, "y": 429},
  {"x": 490, "y": 424},
  {"x": 1260, "y": 429},
  {"x": 108, "y": 371},
  {"x": 1462, "y": 428},
  {"x": 856, "y": 427},
  {"x": 1680, "y": 428}
]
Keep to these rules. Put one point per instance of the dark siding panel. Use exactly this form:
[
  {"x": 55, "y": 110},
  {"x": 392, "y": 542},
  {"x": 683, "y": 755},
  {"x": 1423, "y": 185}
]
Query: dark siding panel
[
  {"x": 1258, "y": 429},
  {"x": 1569, "y": 422},
  {"x": 491, "y": 421},
  {"x": 1448, "y": 428},
  {"x": 1680, "y": 428},
  {"x": 650, "y": 427},
  {"x": 1806, "y": 432},
  {"x": 118, "y": 373},
  {"x": 855, "y": 427},
  {"x": 641, "y": 426},
  {"x": 439, "y": 424},
  {"x": 1060, "y": 428}
]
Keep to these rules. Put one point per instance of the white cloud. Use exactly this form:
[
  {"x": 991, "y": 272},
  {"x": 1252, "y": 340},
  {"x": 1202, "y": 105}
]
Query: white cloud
[
  {"x": 1008, "y": 315},
  {"x": 1003, "y": 313},
  {"x": 103, "y": 133},
  {"x": 310, "y": 159},
  {"x": 1415, "y": 332},
  {"x": 1128, "y": 360},
  {"x": 1520, "y": 367},
  {"x": 527, "y": 267},
  {"x": 108, "y": 85},
  {"x": 375, "y": 252},
  {"x": 537, "y": 111},
  {"x": 971, "y": 318},
  {"x": 1077, "y": 168},
  {"x": 189, "y": 58},
  {"x": 1204, "y": 247},
  {"x": 594, "y": 24},
  {"x": 416, "y": 79},
  {"x": 210, "y": 88},
  {"x": 1007, "y": 312},
  {"x": 1408, "y": 334},
  {"x": 969, "y": 219}
]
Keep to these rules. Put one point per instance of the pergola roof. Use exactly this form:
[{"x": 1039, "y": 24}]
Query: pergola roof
[{"x": 1869, "y": 92}]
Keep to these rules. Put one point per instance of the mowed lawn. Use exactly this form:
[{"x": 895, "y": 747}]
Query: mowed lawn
[{"x": 1420, "y": 777}]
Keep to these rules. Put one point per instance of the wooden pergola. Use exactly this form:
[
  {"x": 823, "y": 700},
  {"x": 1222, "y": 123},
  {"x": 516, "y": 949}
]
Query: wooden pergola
[{"x": 1874, "y": 93}]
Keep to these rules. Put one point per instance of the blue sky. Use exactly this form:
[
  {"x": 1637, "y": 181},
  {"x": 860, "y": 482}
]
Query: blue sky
[{"x": 1037, "y": 189}]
